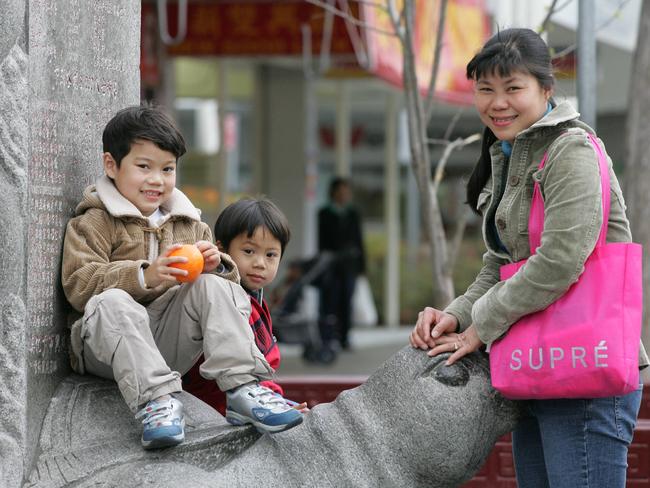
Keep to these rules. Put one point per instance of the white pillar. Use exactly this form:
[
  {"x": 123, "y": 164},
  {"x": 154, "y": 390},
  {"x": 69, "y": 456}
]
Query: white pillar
[
  {"x": 342, "y": 130},
  {"x": 221, "y": 171},
  {"x": 391, "y": 215},
  {"x": 284, "y": 101}
]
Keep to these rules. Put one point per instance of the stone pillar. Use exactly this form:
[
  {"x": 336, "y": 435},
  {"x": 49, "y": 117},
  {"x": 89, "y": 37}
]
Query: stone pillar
[
  {"x": 65, "y": 68},
  {"x": 13, "y": 214}
]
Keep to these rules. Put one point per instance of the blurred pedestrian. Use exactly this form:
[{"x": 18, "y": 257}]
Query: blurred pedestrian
[{"x": 339, "y": 233}]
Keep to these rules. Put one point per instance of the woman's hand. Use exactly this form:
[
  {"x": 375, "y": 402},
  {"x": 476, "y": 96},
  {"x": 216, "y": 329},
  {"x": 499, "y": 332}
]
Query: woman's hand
[
  {"x": 431, "y": 324},
  {"x": 458, "y": 344}
]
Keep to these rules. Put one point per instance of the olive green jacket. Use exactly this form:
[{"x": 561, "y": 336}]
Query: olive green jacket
[{"x": 570, "y": 185}]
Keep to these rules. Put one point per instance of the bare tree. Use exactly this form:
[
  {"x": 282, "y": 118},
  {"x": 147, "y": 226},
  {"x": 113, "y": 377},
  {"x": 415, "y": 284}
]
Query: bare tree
[
  {"x": 419, "y": 110},
  {"x": 637, "y": 167}
]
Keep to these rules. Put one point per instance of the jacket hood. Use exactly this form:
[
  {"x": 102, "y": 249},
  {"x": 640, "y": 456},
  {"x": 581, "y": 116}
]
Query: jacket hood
[{"x": 104, "y": 195}]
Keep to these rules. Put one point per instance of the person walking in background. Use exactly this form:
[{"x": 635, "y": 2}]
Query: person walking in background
[
  {"x": 558, "y": 442},
  {"x": 339, "y": 233}
]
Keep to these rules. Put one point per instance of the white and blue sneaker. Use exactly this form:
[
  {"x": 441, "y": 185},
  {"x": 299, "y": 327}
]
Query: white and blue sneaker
[
  {"x": 164, "y": 423},
  {"x": 258, "y": 405}
]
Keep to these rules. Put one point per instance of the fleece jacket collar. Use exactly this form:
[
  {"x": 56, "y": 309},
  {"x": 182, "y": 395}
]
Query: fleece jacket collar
[{"x": 178, "y": 205}]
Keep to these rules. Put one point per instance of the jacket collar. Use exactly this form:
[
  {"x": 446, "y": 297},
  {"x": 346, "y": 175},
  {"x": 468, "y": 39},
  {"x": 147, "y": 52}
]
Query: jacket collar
[
  {"x": 178, "y": 205},
  {"x": 563, "y": 112}
]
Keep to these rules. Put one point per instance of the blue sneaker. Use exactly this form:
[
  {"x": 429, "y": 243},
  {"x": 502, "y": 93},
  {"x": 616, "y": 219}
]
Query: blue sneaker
[
  {"x": 164, "y": 423},
  {"x": 262, "y": 407}
]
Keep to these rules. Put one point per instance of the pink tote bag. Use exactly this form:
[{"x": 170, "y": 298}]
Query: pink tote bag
[{"x": 585, "y": 344}]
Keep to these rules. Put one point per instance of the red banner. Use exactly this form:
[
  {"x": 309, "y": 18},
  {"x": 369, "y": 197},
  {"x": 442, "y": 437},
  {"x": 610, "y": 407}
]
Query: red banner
[
  {"x": 274, "y": 28},
  {"x": 254, "y": 28},
  {"x": 466, "y": 29}
]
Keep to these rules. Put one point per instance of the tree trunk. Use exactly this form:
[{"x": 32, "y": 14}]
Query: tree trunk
[
  {"x": 443, "y": 288},
  {"x": 637, "y": 169}
]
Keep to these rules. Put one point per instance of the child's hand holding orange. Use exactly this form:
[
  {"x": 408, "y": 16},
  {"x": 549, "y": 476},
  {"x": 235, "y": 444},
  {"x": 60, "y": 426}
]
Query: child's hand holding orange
[
  {"x": 211, "y": 255},
  {"x": 169, "y": 266},
  {"x": 192, "y": 265}
]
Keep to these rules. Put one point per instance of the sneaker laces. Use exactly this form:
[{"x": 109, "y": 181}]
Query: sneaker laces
[
  {"x": 266, "y": 396},
  {"x": 156, "y": 412}
]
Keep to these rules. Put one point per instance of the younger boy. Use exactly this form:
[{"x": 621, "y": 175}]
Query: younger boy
[
  {"x": 139, "y": 326},
  {"x": 254, "y": 233}
]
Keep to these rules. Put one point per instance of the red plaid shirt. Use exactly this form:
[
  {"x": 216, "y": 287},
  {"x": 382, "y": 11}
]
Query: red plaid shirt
[{"x": 207, "y": 390}]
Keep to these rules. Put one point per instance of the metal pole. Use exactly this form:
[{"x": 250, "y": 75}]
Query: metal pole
[
  {"x": 587, "y": 62},
  {"x": 391, "y": 214}
]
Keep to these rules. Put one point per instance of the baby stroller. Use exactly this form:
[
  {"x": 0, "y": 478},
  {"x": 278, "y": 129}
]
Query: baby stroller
[{"x": 294, "y": 320}]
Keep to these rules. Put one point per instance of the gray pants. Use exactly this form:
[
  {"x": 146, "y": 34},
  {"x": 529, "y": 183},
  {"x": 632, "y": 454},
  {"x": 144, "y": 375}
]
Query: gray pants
[{"x": 147, "y": 349}]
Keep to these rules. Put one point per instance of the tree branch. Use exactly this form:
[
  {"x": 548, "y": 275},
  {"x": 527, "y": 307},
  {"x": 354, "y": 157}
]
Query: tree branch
[
  {"x": 396, "y": 19},
  {"x": 449, "y": 148},
  {"x": 457, "y": 238},
  {"x": 350, "y": 18},
  {"x": 379, "y": 5},
  {"x": 452, "y": 124},
  {"x": 436, "y": 61},
  {"x": 547, "y": 19},
  {"x": 605, "y": 23},
  {"x": 357, "y": 44}
]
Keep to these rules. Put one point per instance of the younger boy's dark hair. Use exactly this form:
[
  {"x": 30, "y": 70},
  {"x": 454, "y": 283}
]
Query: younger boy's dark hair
[
  {"x": 141, "y": 123},
  {"x": 248, "y": 214}
]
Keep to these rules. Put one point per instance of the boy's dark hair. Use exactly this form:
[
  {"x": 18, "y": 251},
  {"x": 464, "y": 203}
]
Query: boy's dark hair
[
  {"x": 145, "y": 123},
  {"x": 248, "y": 214},
  {"x": 507, "y": 51}
]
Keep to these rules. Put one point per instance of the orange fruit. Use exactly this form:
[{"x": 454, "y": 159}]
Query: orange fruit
[{"x": 194, "y": 264}]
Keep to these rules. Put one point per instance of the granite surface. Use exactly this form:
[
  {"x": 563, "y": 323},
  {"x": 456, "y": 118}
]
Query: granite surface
[
  {"x": 415, "y": 423},
  {"x": 65, "y": 67}
]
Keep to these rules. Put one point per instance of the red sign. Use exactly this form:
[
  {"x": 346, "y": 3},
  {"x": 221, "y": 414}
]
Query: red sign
[
  {"x": 253, "y": 28},
  {"x": 275, "y": 28},
  {"x": 466, "y": 29}
]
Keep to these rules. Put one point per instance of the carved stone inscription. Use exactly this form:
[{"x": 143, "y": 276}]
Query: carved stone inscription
[
  {"x": 84, "y": 66},
  {"x": 13, "y": 196}
]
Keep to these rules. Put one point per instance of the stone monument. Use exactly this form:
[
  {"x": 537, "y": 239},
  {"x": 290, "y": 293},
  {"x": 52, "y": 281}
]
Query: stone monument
[
  {"x": 66, "y": 67},
  {"x": 414, "y": 423}
]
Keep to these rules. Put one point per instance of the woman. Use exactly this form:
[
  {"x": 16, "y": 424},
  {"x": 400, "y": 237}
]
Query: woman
[{"x": 559, "y": 443}]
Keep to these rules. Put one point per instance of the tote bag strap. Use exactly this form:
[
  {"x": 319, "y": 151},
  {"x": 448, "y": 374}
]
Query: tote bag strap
[{"x": 536, "y": 216}]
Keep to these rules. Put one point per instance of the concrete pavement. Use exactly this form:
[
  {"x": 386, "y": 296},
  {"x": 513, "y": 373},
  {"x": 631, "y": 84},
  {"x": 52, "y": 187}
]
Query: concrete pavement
[{"x": 370, "y": 348}]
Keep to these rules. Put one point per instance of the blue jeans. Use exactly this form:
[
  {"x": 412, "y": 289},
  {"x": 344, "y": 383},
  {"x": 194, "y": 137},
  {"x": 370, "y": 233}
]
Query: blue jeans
[{"x": 575, "y": 443}]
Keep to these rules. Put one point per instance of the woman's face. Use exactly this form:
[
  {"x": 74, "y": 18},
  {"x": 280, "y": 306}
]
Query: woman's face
[{"x": 510, "y": 104}]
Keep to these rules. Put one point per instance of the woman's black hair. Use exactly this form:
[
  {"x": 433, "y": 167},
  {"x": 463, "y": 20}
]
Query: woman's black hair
[
  {"x": 246, "y": 215},
  {"x": 507, "y": 51}
]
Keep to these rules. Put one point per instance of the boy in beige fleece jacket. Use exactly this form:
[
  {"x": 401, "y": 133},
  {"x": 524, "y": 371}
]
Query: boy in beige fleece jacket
[{"x": 139, "y": 325}]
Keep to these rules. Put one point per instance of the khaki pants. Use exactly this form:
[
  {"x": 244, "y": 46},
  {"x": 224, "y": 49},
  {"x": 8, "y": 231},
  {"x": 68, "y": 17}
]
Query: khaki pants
[{"x": 147, "y": 349}]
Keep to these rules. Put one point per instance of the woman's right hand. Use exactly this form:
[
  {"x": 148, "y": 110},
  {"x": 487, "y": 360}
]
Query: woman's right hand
[{"x": 432, "y": 323}]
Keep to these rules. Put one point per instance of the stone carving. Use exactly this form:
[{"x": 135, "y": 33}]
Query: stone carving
[
  {"x": 414, "y": 423},
  {"x": 65, "y": 67},
  {"x": 13, "y": 192}
]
